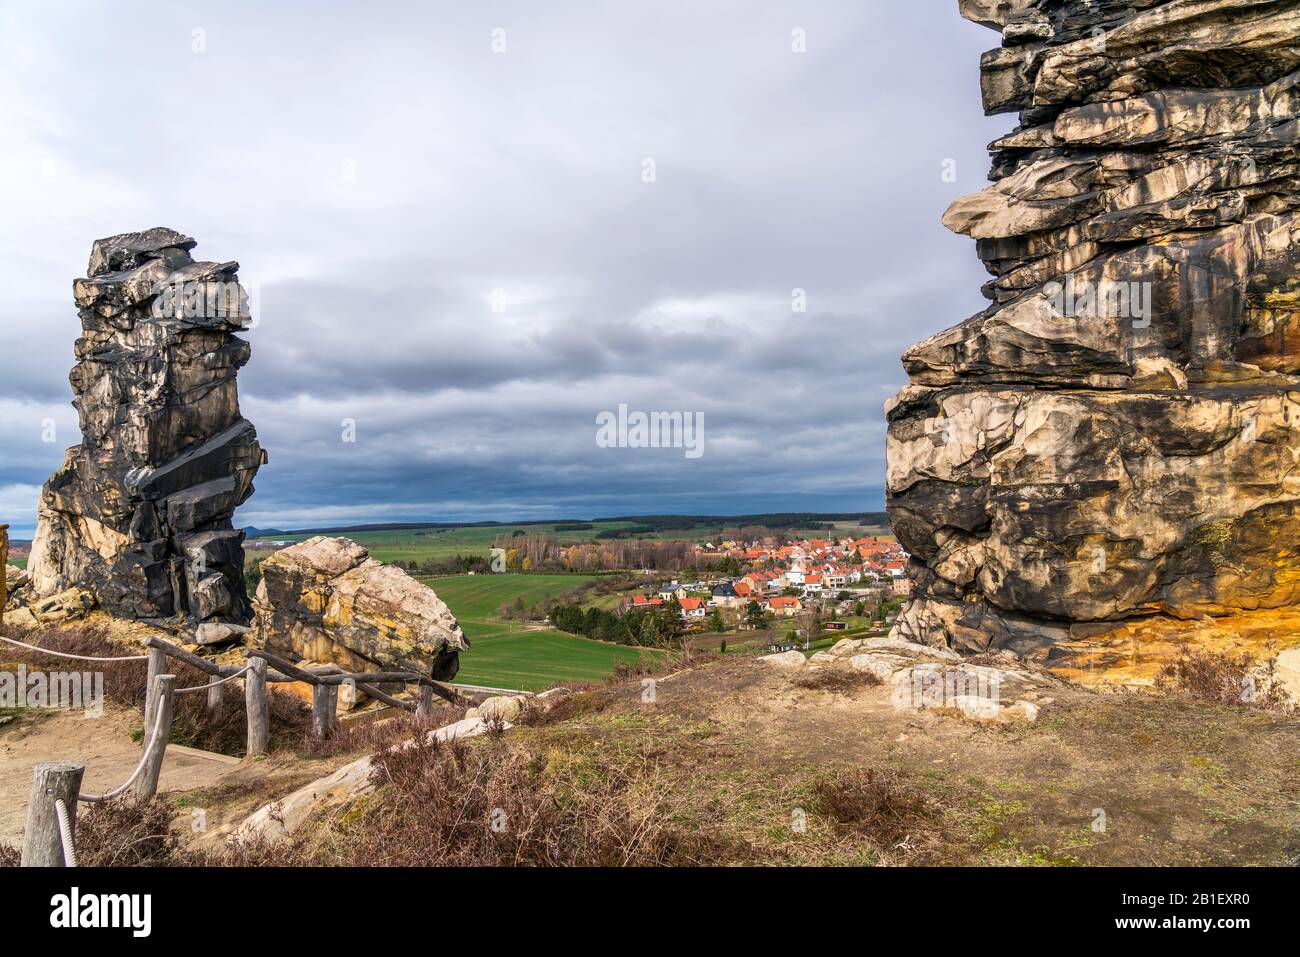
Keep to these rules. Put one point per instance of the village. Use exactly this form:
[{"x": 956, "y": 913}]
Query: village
[{"x": 784, "y": 581}]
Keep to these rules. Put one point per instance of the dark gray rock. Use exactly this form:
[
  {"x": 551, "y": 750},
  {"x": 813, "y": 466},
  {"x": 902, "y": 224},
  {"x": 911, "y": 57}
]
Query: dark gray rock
[{"x": 140, "y": 513}]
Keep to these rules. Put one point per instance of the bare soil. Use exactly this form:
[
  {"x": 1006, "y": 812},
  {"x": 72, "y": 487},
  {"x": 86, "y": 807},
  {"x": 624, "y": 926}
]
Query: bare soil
[{"x": 192, "y": 779}]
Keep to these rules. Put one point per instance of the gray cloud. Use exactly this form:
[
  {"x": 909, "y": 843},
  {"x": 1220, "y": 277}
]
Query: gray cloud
[{"x": 379, "y": 173}]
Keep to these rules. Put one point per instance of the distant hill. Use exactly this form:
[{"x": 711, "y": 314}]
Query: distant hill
[{"x": 651, "y": 522}]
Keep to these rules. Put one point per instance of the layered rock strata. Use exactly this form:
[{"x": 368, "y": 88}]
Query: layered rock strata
[
  {"x": 140, "y": 514},
  {"x": 1115, "y": 437}
]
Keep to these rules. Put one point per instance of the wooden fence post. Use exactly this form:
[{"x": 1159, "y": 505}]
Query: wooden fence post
[
  {"x": 423, "y": 701},
  {"x": 157, "y": 666},
  {"x": 146, "y": 785},
  {"x": 324, "y": 704},
  {"x": 258, "y": 708},
  {"x": 51, "y": 781},
  {"x": 215, "y": 694}
]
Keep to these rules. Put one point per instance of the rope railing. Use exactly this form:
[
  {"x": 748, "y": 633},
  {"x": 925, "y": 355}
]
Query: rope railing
[
  {"x": 139, "y": 768},
  {"x": 64, "y": 654},
  {"x": 65, "y": 834},
  {"x": 216, "y": 684}
]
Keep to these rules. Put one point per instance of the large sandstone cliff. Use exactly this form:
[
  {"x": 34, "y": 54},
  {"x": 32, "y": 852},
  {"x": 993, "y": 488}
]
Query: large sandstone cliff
[
  {"x": 140, "y": 512},
  {"x": 1116, "y": 436}
]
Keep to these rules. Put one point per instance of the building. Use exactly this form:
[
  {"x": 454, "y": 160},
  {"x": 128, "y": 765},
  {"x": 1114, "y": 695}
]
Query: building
[
  {"x": 694, "y": 608},
  {"x": 784, "y": 605}
]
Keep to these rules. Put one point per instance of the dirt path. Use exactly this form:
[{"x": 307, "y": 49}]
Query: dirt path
[{"x": 104, "y": 744}]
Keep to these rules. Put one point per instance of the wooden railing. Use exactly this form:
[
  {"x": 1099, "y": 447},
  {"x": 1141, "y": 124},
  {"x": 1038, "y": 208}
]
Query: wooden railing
[{"x": 48, "y": 840}]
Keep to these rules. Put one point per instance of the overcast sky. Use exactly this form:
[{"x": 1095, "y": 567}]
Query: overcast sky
[{"x": 455, "y": 245}]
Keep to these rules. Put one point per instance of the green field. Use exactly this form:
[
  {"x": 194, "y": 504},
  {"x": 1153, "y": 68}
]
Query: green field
[
  {"x": 475, "y": 599},
  {"x": 511, "y": 654},
  {"x": 530, "y": 661},
  {"x": 424, "y": 544}
]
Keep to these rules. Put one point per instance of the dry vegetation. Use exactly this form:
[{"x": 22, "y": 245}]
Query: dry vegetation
[
  {"x": 837, "y": 680},
  {"x": 1225, "y": 678},
  {"x": 729, "y": 762}
]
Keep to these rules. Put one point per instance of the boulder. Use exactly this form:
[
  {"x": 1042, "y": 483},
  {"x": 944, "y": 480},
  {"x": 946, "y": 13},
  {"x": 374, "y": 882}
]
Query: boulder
[
  {"x": 67, "y": 605},
  {"x": 325, "y": 599},
  {"x": 979, "y": 692},
  {"x": 140, "y": 512},
  {"x": 502, "y": 707},
  {"x": 214, "y": 633},
  {"x": 882, "y": 666},
  {"x": 785, "y": 659}
]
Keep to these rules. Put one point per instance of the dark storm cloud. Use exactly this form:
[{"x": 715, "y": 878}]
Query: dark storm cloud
[{"x": 454, "y": 248}]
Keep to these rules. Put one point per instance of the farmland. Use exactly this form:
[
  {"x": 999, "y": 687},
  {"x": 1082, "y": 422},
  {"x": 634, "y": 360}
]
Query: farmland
[
  {"x": 512, "y": 654},
  {"x": 425, "y": 544}
]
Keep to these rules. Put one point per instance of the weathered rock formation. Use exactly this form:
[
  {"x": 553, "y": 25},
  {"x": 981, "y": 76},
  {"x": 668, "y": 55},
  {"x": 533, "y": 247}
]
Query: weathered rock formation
[
  {"x": 327, "y": 601},
  {"x": 1116, "y": 436},
  {"x": 140, "y": 512}
]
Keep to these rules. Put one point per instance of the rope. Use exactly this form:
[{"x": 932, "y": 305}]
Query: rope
[
  {"x": 109, "y": 795},
  {"x": 214, "y": 684},
  {"x": 60, "y": 654},
  {"x": 65, "y": 833}
]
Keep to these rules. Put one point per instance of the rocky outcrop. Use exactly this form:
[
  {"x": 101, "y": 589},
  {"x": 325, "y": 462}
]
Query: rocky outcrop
[
  {"x": 1115, "y": 437},
  {"x": 1001, "y": 690},
  {"x": 326, "y": 600},
  {"x": 140, "y": 512}
]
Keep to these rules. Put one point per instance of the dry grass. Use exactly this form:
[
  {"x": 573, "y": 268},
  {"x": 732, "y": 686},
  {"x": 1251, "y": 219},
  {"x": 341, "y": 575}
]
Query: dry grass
[
  {"x": 843, "y": 681},
  {"x": 1225, "y": 678},
  {"x": 489, "y": 803},
  {"x": 562, "y": 708},
  {"x": 127, "y": 834},
  {"x": 121, "y": 833},
  {"x": 879, "y": 805},
  {"x": 361, "y": 737}
]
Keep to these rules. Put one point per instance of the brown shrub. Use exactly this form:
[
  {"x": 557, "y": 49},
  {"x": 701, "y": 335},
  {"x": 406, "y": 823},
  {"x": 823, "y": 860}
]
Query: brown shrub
[
  {"x": 10, "y": 856},
  {"x": 124, "y": 681},
  {"x": 368, "y": 736},
  {"x": 487, "y": 803},
  {"x": 125, "y": 833},
  {"x": 1236, "y": 680},
  {"x": 561, "y": 708},
  {"x": 880, "y": 805},
  {"x": 837, "y": 680}
]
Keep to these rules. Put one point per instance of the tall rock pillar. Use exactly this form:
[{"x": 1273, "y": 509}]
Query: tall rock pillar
[{"x": 140, "y": 512}]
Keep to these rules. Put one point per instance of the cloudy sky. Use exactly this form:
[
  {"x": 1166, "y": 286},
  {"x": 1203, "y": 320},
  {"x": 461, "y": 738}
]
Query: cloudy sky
[{"x": 443, "y": 213}]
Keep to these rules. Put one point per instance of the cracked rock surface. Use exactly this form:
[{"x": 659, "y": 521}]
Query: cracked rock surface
[
  {"x": 1115, "y": 437},
  {"x": 140, "y": 513}
]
